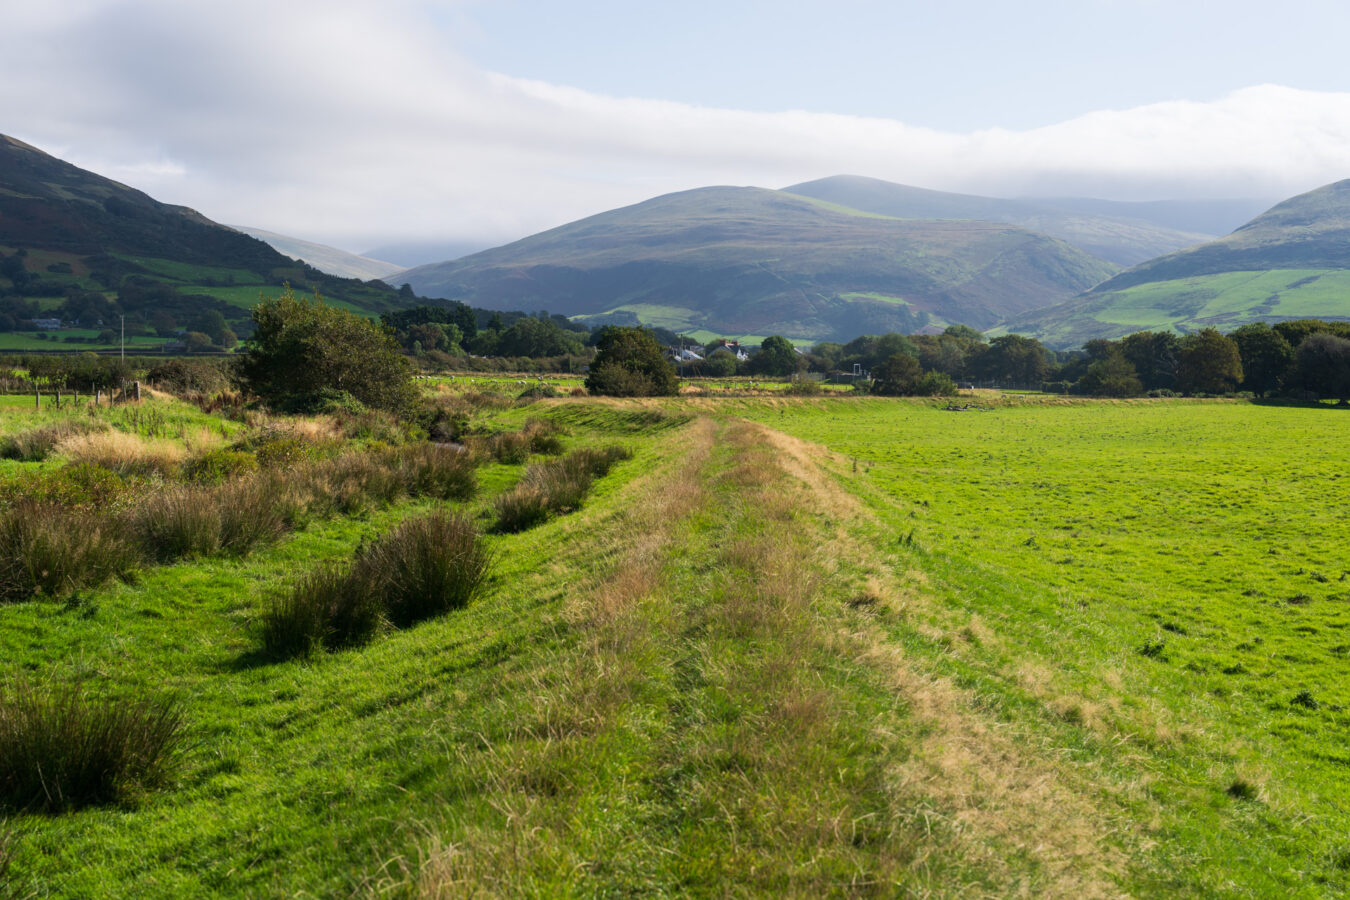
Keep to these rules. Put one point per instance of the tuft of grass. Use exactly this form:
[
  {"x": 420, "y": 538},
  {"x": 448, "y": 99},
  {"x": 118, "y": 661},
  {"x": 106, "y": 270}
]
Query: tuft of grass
[
  {"x": 51, "y": 551},
  {"x": 328, "y": 609},
  {"x": 175, "y": 523},
  {"x": 60, "y": 749},
  {"x": 435, "y": 470},
  {"x": 251, "y": 513},
  {"x": 556, "y": 486},
  {"x": 426, "y": 567}
]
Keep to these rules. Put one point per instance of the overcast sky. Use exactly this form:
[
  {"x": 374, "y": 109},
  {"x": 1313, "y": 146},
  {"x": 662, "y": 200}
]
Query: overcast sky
[{"x": 485, "y": 120}]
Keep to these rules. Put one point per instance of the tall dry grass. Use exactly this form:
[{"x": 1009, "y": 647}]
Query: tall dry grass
[{"x": 125, "y": 454}]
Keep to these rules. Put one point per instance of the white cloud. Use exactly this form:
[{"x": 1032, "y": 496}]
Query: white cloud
[{"x": 334, "y": 122}]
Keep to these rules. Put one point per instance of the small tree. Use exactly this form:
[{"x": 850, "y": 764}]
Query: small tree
[
  {"x": 302, "y": 351},
  {"x": 776, "y": 356},
  {"x": 630, "y": 363}
]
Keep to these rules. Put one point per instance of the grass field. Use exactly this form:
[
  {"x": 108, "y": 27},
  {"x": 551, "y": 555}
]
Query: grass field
[
  {"x": 792, "y": 647},
  {"x": 1223, "y": 301}
]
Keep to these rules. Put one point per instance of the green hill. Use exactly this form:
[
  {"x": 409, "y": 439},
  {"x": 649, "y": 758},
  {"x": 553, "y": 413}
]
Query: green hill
[
  {"x": 80, "y": 246},
  {"x": 741, "y": 260},
  {"x": 1122, "y": 233},
  {"x": 1292, "y": 262}
]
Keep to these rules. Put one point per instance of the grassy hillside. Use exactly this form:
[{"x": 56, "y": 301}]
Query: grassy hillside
[
  {"x": 103, "y": 250},
  {"x": 1122, "y": 233},
  {"x": 752, "y": 261},
  {"x": 790, "y": 648},
  {"x": 1224, "y": 301},
  {"x": 1291, "y": 262}
]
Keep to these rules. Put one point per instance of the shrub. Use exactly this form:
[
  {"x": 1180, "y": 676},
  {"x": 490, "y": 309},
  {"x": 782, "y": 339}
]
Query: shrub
[
  {"x": 804, "y": 389},
  {"x": 328, "y": 609},
  {"x": 72, "y": 486},
  {"x": 537, "y": 391},
  {"x": 630, "y": 363},
  {"x": 59, "y": 749},
  {"x": 47, "y": 550},
  {"x": 300, "y": 349},
  {"x": 426, "y": 567}
]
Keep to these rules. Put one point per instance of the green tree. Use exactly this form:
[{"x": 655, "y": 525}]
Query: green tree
[
  {"x": 1266, "y": 357},
  {"x": 776, "y": 356},
  {"x": 630, "y": 363},
  {"x": 1015, "y": 359},
  {"x": 899, "y": 376},
  {"x": 302, "y": 351},
  {"x": 1112, "y": 375},
  {"x": 1208, "y": 363},
  {"x": 1154, "y": 357},
  {"x": 1322, "y": 365}
]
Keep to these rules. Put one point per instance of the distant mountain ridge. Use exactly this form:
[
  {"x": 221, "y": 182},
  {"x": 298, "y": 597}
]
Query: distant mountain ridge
[
  {"x": 1122, "y": 233},
  {"x": 1291, "y": 262},
  {"x": 322, "y": 257},
  {"x": 732, "y": 260}
]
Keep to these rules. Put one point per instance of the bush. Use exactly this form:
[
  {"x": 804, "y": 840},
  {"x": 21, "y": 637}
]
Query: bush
[
  {"x": 425, "y": 568},
  {"x": 804, "y": 389},
  {"x": 301, "y": 349},
  {"x": 47, "y": 550},
  {"x": 59, "y": 749},
  {"x": 79, "y": 485},
  {"x": 630, "y": 363}
]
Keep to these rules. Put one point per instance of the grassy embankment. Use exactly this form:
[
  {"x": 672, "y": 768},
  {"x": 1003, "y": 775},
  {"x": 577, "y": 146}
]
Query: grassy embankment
[{"x": 928, "y": 660}]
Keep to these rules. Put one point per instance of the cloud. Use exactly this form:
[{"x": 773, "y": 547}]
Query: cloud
[{"x": 336, "y": 122}]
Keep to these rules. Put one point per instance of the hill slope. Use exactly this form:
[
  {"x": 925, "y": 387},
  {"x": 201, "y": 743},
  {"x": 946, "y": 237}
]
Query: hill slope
[
  {"x": 1291, "y": 262},
  {"x": 322, "y": 257},
  {"x": 740, "y": 260},
  {"x": 1122, "y": 233},
  {"x": 79, "y": 245}
]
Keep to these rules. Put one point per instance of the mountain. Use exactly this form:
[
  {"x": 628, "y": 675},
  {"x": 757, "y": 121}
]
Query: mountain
[
  {"x": 751, "y": 261},
  {"x": 81, "y": 246},
  {"x": 1292, "y": 262},
  {"x": 1122, "y": 233},
  {"x": 324, "y": 258},
  {"x": 409, "y": 254}
]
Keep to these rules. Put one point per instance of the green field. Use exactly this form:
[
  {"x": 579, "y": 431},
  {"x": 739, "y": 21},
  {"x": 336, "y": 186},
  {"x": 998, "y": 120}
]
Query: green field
[
  {"x": 792, "y": 647},
  {"x": 1224, "y": 301},
  {"x": 24, "y": 340}
]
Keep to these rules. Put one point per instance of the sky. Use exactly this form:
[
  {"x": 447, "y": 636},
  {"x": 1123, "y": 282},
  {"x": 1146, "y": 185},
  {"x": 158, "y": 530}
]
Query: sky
[{"x": 482, "y": 121}]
